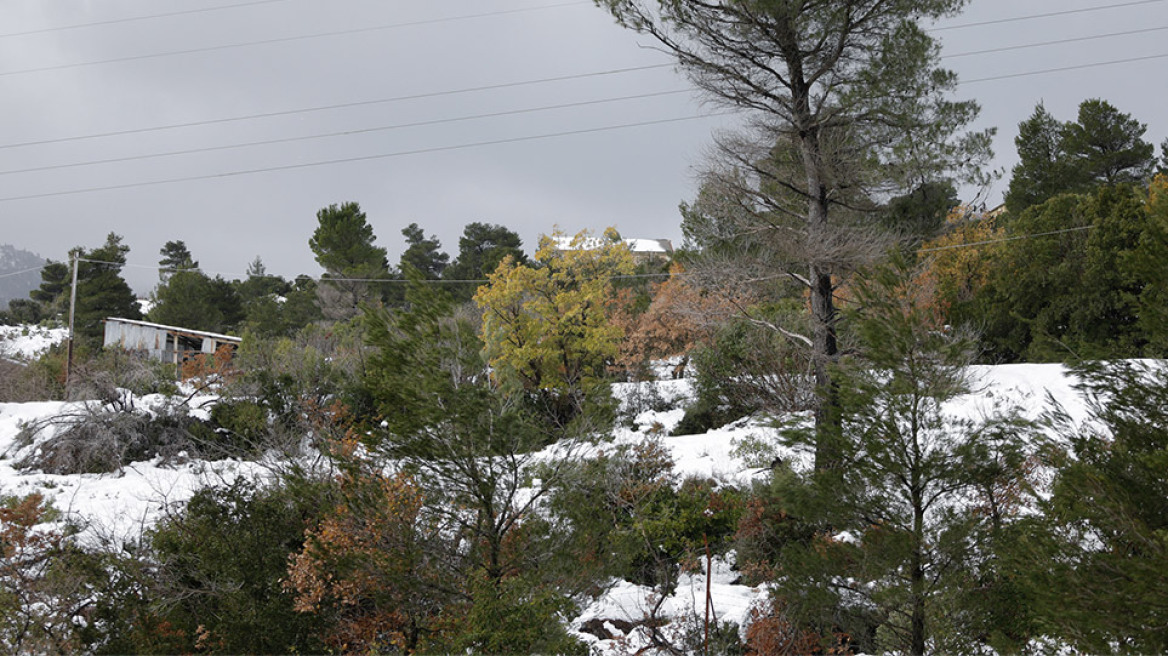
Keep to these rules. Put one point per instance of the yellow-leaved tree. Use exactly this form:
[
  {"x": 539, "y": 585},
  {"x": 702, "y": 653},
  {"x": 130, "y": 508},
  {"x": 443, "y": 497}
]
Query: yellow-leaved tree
[
  {"x": 546, "y": 326},
  {"x": 957, "y": 265}
]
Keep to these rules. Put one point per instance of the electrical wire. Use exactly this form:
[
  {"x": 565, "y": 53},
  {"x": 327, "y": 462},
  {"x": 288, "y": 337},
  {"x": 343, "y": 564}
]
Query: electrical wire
[
  {"x": 478, "y": 116},
  {"x": 1003, "y": 239},
  {"x": 20, "y": 273},
  {"x": 419, "y": 151},
  {"x": 481, "y": 88},
  {"x": 430, "y": 21},
  {"x": 347, "y": 105},
  {"x": 133, "y": 19},
  {"x": 505, "y": 85},
  {"x": 484, "y": 280},
  {"x": 344, "y": 133},
  {"x": 361, "y": 158},
  {"x": 1051, "y": 14},
  {"x": 1091, "y": 37},
  {"x": 438, "y": 281},
  {"x": 1061, "y": 69},
  {"x": 444, "y": 148},
  {"x": 286, "y": 39}
]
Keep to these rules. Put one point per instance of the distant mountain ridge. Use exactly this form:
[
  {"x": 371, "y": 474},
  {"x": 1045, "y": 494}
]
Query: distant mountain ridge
[{"x": 20, "y": 273}]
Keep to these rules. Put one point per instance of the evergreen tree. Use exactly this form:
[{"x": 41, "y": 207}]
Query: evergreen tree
[
  {"x": 185, "y": 301},
  {"x": 920, "y": 214},
  {"x": 53, "y": 294},
  {"x": 22, "y": 311},
  {"x": 299, "y": 308},
  {"x": 1045, "y": 168},
  {"x": 1104, "y": 146},
  {"x": 273, "y": 306},
  {"x": 175, "y": 257},
  {"x": 222, "y": 559},
  {"x": 101, "y": 291},
  {"x": 901, "y": 529},
  {"x": 1108, "y": 145},
  {"x": 1148, "y": 264},
  {"x": 260, "y": 283},
  {"x": 343, "y": 245},
  {"x": 190, "y": 299},
  {"x": 481, "y": 248},
  {"x": 422, "y": 254},
  {"x": 446, "y": 555},
  {"x": 1097, "y": 566},
  {"x": 1066, "y": 290},
  {"x": 837, "y": 92}
]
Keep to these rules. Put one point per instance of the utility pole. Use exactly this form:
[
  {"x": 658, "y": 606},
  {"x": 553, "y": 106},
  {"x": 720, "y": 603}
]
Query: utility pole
[{"x": 72, "y": 335}]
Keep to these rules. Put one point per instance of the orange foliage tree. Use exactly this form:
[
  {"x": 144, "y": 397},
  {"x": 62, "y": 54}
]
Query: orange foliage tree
[
  {"x": 211, "y": 366},
  {"x": 39, "y": 613},
  {"x": 680, "y": 316},
  {"x": 365, "y": 567},
  {"x": 957, "y": 265}
]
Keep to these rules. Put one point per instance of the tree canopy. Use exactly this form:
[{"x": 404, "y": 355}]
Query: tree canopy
[
  {"x": 846, "y": 101},
  {"x": 343, "y": 245},
  {"x": 1103, "y": 146}
]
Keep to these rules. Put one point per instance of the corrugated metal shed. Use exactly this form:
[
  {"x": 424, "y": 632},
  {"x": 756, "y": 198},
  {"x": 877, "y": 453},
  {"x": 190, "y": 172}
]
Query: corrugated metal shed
[{"x": 165, "y": 343}]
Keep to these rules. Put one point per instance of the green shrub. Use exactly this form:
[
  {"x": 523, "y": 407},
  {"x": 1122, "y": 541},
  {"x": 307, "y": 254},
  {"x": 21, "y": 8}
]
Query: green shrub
[{"x": 223, "y": 560}]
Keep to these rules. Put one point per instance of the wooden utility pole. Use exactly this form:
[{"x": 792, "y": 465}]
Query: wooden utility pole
[
  {"x": 72, "y": 335},
  {"x": 709, "y": 599}
]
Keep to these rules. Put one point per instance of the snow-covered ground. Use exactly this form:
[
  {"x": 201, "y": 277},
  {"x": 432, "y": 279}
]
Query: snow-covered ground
[
  {"x": 23, "y": 343},
  {"x": 120, "y": 505},
  {"x": 116, "y": 506}
]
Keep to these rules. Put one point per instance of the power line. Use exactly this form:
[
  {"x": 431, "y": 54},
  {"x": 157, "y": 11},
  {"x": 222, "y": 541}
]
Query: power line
[
  {"x": 471, "y": 90},
  {"x": 287, "y": 39},
  {"x": 1062, "y": 69},
  {"x": 470, "y": 117},
  {"x": 362, "y": 158},
  {"x": 359, "y": 103},
  {"x": 1016, "y": 19},
  {"x": 430, "y": 21},
  {"x": 343, "y": 133},
  {"x": 19, "y": 273},
  {"x": 441, "y": 281},
  {"x": 500, "y": 141},
  {"x": 1003, "y": 239},
  {"x": 133, "y": 19},
  {"x": 321, "y": 108},
  {"x": 1091, "y": 37}
]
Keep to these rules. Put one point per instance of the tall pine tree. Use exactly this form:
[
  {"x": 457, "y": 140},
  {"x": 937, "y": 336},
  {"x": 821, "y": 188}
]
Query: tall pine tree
[
  {"x": 101, "y": 291},
  {"x": 343, "y": 245}
]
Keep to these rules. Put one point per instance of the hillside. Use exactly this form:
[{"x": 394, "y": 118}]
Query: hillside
[
  {"x": 117, "y": 508},
  {"x": 19, "y": 273}
]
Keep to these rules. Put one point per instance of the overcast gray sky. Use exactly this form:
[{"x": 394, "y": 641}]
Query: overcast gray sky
[{"x": 534, "y": 169}]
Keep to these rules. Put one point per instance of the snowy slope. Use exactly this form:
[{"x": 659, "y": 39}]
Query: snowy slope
[
  {"x": 23, "y": 343},
  {"x": 116, "y": 506},
  {"x": 120, "y": 505}
]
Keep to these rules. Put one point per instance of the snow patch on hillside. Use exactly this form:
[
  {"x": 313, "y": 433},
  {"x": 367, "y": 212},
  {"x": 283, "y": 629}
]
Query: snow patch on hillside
[
  {"x": 121, "y": 505},
  {"x": 24, "y": 343}
]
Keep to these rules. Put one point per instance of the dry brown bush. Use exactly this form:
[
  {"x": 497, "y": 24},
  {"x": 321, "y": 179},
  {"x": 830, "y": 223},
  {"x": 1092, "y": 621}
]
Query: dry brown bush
[
  {"x": 20, "y": 383},
  {"x": 102, "y": 439}
]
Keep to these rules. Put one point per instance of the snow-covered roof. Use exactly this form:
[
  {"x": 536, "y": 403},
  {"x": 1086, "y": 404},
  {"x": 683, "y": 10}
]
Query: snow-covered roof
[
  {"x": 663, "y": 246},
  {"x": 660, "y": 246},
  {"x": 219, "y": 337}
]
